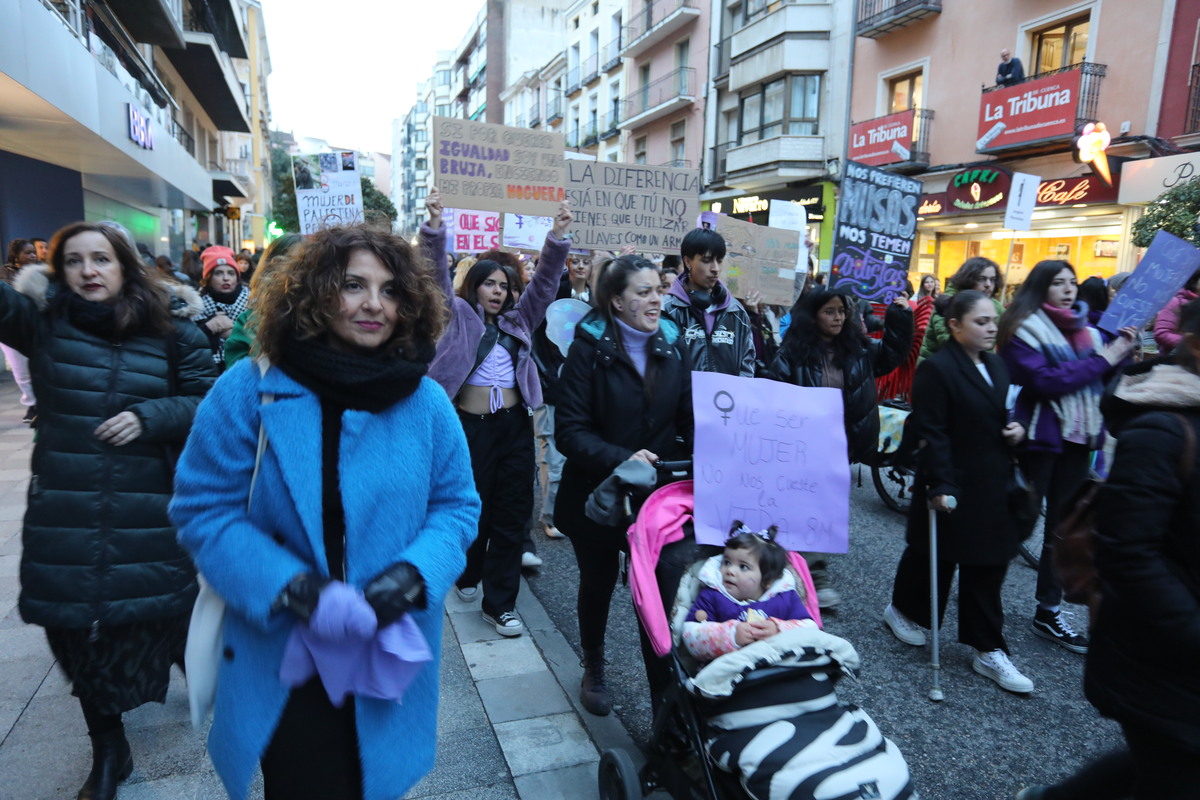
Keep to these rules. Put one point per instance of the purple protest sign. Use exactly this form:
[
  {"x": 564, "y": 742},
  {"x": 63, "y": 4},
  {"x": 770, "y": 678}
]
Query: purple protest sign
[
  {"x": 770, "y": 453},
  {"x": 1163, "y": 271},
  {"x": 876, "y": 225}
]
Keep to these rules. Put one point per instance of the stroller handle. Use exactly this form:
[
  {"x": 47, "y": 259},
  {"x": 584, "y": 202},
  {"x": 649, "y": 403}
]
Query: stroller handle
[{"x": 674, "y": 466}]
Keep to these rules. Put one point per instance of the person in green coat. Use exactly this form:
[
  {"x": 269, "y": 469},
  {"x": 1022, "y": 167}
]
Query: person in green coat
[
  {"x": 241, "y": 338},
  {"x": 977, "y": 273}
]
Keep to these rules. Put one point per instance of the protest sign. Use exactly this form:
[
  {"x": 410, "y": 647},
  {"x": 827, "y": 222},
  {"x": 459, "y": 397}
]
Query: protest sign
[
  {"x": 1163, "y": 271},
  {"x": 770, "y": 453},
  {"x": 497, "y": 168},
  {"x": 876, "y": 224},
  {"x": 1022, "y": 198},
  {"x": 470, "y": 231},
  {"x": 523, "y": 232},
  {"x": 758, "y": 257},
  {"x": 619, "y": 204},
  {"x": 328, "y": 190}
]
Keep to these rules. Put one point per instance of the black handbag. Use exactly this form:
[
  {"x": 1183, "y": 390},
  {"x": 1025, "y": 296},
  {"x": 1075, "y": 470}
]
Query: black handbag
[{"x": 1023, "y": 500}]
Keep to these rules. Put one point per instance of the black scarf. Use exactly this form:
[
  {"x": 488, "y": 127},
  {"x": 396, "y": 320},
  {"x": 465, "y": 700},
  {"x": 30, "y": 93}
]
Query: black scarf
[
  {"x": 372, "y": 382},
  {"x": 98, "y": 319},
  {"x": 225, "y": 298}
]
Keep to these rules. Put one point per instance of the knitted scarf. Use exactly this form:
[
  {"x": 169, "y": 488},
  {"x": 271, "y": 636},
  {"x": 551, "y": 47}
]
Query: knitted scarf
[
  {"x": 363, "y": 381},
  {"x": 231, "y": 305},
  {"x": 1079, "y": 410}
]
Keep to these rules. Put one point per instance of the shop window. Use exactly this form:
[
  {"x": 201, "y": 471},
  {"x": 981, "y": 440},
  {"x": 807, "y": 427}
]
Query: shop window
[
  {"x": 905, "y": 92},
  {"x": 639, "y": 150},
  {"x": 1062, "y": 45}
]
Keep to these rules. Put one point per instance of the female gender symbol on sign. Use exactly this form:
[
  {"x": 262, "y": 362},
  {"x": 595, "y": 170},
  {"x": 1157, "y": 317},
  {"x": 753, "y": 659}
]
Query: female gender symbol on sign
[{"x": 724, "y": 411}]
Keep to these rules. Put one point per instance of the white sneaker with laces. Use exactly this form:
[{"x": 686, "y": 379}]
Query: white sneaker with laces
[
  {"x": 531, "y": 560},
  {"x": 506, "y": 623},
  {"x": 903, "y": 628},
  {"x": 995, "y": 665}
]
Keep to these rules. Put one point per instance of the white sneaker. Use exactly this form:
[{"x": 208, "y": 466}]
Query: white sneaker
[
  {"x": 828, "y": 597},
  {"x": 467, "y": 593},
  {"x": 506, "y": 624},
  {"x": 903, "y": 628},
  {"x": 531, "y": 560},
  {"x": 995, "y": 665},
  {"x": 551, "y": 531}
]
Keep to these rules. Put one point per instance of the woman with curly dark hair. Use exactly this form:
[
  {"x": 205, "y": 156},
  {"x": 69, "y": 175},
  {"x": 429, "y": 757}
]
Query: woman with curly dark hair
[
  {"x": 359, "y": 520},
  {"x": 977, "y": 273}
]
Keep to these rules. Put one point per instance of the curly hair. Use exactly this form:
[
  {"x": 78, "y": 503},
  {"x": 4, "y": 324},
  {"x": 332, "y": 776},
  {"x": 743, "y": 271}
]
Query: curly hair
[
  {"x": 968, "y": 275},
  {"x": 304, "y": 297}
]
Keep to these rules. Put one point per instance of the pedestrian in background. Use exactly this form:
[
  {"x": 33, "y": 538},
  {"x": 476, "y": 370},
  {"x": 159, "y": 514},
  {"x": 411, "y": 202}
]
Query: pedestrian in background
[
  {"x": 485, "y": 364},
  {"x": 361, "y": 513},
  {"x": 21, "y": 253},
  {"x": 961, "y": 417},
  {"x": 930, "y": 287},
  {"x": 274, "y": 258},
  {"x": 1166, "y": 324},
  {"x": 1060, "y": 362},
  {"x": 625, "y": 394},
  {"x": 100, "y": 568},
  {"x": 225, "y": 297},
  {"x": 978, "y": 273}
]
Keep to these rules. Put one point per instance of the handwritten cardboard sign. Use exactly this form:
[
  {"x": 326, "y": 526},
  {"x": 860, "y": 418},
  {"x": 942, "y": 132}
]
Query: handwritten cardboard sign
[
  {"x": 770, "y": 453},
  {"x": 498, "y": 168},
  {"x": 758, "y": 257},
  {"x": 1163, "y": 271},
  {"x": 328, "y": 190},
  {"x": 619, "y": 204},
  {"x": 470, "y": 231},
  {"x": 876, "y": 225}
]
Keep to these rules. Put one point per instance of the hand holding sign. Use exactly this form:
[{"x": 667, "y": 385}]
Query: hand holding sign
[
  {"x": 1162, "y": 272},
  {"x": 562, "y": 220},
  {"x": 433, "y": 207}
]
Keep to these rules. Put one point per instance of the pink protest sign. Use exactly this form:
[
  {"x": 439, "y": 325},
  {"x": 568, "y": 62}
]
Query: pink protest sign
[
  {"x": 770, "y": 453},
  {"x": 471, "y": 231}
]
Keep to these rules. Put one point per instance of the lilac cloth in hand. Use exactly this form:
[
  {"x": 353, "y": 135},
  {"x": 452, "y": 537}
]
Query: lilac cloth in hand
[
  {"x": 342, "y": 614},
  {"x": 381, "y": 667}
]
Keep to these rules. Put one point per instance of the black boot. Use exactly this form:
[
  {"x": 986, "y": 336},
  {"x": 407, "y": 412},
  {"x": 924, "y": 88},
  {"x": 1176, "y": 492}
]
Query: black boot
[
  {"x": 592, "y": 692},
  {"x": 111, "y": 763}
]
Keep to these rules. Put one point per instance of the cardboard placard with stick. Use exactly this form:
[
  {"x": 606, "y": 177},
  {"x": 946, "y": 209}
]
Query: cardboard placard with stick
[{"x": 759, "y": 258}]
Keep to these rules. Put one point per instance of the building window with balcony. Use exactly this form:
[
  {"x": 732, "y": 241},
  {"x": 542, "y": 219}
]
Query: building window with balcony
[
  {"x": 905, "y": 92},
  {"x": 421, "y": 164},
  {"x": 678, "y": 137},
  {"x": 442, "y": 109},
  {"x": 788, "y": 105},
  {"x": 752, "y": 10},
  {"x": 1062, "y": 45},
  {"x": 639, "y": 150},
  {"x": 443, "y": 77},
  {"x": 804, "y": 106}
]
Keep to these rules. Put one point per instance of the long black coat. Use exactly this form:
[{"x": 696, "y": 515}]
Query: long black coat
[
  {"x": 961, "y": 421},
  {"x": 603, "y": 417},
  {"x": 1142, "y": 666},
  {"x": 97, "y": 545},
  {"x": 860, "y": 404}
]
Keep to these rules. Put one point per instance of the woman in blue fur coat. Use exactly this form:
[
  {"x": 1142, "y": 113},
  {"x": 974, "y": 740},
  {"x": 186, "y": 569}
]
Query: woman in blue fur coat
[{"x": 362, "y": 511}]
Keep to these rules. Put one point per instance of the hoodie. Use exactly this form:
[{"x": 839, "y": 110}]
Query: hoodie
[{"x": 718, "y": 337}]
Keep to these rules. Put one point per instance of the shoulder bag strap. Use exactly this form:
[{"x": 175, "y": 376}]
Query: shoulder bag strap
[{"x": 263, "y": 365}]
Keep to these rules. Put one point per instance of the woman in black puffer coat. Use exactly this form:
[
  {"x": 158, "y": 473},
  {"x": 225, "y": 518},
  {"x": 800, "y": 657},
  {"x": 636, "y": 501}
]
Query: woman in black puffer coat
[{"x": 119, "y": 371}]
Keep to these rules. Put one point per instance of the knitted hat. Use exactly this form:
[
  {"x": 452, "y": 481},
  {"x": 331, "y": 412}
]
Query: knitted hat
[{"x": 218, "y": 256}]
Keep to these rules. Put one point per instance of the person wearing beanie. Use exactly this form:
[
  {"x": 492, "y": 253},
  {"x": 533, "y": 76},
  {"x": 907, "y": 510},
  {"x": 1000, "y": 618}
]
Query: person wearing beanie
[{"x": 225, "y": 296}]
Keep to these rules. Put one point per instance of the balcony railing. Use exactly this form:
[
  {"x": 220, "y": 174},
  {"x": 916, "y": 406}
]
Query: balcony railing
[
  {"x": 922, "y": 132},
  {"x": 591, "y": 134},
  {"x": 721, "y": 54},
  {"x": 1193, "y": 107},
  {"x": 610, "y": 125},
  {"x": 573, "y": 83},
  {"x": 553, "y": 108},
  {"x": 571, "y": 137},
  {"x": 649, "y": 22},
  {"x": 612, "y": 55},
  {"x": 591, "y": 69},
  {"x": 681, "y": 163},
  {"x": 879, "y": 17},
  {"x": 675, "y": 85},
  {"x": 185, "y": 139},
  {"x": 535, "y": 119},
  {"x": 1091, "y": 75},
  {"x": 718, "y": 163}
]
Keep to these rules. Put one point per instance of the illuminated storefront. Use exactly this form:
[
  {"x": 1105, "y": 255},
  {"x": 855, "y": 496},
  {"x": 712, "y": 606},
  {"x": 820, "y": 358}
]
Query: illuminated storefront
[{"x": 818, "y": 202}]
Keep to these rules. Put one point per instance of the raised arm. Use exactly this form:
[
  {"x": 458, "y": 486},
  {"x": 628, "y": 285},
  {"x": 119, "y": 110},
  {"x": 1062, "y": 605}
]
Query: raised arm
[
  {"x": 897, "y": 337},
  {"x": 20, "y": 320},
  {"x": 542, "y": 290},
  {"x": 433, "y": 246}
]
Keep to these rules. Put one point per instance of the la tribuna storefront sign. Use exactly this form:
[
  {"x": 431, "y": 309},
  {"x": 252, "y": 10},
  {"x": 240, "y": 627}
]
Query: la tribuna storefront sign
[{"x": 986, "y": 189}]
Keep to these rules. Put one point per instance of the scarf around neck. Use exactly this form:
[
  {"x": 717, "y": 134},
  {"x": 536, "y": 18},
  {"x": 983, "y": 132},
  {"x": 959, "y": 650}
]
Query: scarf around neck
[
  {"x": 1073, "y": 324},
  {"x": 98, "y": 319},
  {"x": 1080, "y": 409},
  {"x": 364, "y": 382}
]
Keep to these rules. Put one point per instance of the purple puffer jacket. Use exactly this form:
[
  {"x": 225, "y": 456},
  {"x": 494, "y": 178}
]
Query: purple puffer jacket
[
  {"x": 1167, "y": 321},
  {"x": 457, "y": 348}
]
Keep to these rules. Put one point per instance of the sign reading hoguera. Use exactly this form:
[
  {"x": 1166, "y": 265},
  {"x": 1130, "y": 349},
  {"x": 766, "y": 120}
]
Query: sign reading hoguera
[
  {"x": 497, "y": 168},
  {"x": 758, "y": 257},
  {"x": 619, "y": 204}
]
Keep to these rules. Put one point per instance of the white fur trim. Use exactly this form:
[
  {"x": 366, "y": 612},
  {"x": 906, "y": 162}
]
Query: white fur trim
[
  {"x": 34, "y": 280},
  {"x": 1167, "y": 385}
]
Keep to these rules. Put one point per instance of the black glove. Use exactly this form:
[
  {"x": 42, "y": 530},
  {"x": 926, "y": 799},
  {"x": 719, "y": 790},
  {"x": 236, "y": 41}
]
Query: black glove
[
  {"x": 394, "y": 591},
  {"x": 301, "y": 595}
]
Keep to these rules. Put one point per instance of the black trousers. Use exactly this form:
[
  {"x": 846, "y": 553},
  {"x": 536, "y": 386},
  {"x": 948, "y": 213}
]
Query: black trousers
[
  {"x": 1056, "y": 477},
  {"x": 502, "y": 461},
  {"x": 1153, "y": 768},
  {"x": 314, "y": 752},
  {"x": 980, "y": 613}
]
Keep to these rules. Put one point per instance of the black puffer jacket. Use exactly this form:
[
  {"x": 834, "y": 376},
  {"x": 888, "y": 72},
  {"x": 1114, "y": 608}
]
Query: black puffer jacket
[
  {"x": 729, "y": 347},
  {"x": 877, "y": 358},
  {"x": 1142, "y": 663},
  {"x": 603, "y": 417},
  {"x": 98, "y": 547}
]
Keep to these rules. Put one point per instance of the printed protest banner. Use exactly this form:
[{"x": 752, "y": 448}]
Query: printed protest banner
[
  {"x": 523, "y": 232},
  {"x": 876, "y": 225},
  {"x": 328, "y": 190},
  {"x": 1168, "y": 263},
  {"x": 470, "y": 231},
  {"x": 758, "y": 257},
  {"x": 1036, "y": 109},
  {"x": 619, "y": 204},
  {"x": 498, "y": 168},
  {"x": 770, "y": 453},
  {"x": 884, "y": 140}
]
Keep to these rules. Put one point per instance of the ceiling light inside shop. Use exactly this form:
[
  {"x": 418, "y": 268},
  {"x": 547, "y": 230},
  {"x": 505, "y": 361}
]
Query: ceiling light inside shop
[
  {"x": 1078, "y": 219},
  {"x": 969, "y": 226},
  {"x": 1079, "y": 205},
  {"x": 1042, "y": 215}
]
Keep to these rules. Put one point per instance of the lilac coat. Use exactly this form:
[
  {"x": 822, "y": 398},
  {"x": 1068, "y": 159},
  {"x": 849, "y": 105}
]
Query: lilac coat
[
  {"x": 1166, "y": 324},
  {"x": 457, "y": 348}
]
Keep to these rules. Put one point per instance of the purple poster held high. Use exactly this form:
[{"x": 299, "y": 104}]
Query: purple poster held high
[
  {"x": 1163, "y": 271},
  {"x": 770, "y": 453},
  {"x": 876, "y": 225}
]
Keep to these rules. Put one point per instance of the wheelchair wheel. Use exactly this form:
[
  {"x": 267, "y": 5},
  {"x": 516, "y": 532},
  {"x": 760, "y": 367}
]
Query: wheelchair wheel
[
  {"x": 618, "y": 777},
  {"x": 895, "y": 486}
]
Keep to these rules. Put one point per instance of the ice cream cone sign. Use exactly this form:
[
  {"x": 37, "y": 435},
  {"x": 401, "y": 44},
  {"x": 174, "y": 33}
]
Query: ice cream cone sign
[{"x": 1090, "y": 147}]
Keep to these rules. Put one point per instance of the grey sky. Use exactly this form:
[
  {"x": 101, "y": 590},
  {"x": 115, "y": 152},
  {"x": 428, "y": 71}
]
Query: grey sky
[{"x": 343, "y": 70}]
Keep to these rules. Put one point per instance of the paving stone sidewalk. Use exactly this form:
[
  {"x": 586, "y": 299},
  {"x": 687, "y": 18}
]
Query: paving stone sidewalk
[{"x": 510, "y": 726}]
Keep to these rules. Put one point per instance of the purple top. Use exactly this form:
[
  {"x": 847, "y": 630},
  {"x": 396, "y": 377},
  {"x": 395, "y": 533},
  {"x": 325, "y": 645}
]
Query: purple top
[
  {"x": 720, "y": 607},
  {"x": 1042, "y": 382}
]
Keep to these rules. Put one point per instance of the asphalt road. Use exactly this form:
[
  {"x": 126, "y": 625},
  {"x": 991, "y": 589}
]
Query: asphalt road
[{"x": 981, "y": 743}]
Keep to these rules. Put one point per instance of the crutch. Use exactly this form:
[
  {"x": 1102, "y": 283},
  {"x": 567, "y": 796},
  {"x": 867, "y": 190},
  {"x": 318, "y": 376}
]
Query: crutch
[{"x": 935, "y": 692}]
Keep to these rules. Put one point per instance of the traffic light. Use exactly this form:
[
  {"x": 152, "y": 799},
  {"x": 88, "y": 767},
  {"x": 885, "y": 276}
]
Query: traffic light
[{"x": 233, "y": 212}]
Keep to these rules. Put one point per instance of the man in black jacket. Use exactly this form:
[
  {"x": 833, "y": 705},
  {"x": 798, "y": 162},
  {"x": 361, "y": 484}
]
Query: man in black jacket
[{"x": 1010, "y": 71}]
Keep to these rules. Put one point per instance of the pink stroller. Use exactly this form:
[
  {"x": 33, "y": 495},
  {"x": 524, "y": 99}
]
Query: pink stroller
[{"x": 733, "y": 728}]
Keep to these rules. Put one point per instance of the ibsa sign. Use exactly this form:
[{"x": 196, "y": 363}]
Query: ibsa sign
[
  {"x": 1042, "y": 108},
  {"x": 884, "y": 140},
  {"x": 140, "y": 129}
]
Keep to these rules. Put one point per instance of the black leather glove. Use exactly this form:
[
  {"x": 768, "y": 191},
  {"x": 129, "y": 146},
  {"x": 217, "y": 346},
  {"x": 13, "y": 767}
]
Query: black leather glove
[
  {"x": 301, "y": 595},
  {"x": 394, "y": 591}
]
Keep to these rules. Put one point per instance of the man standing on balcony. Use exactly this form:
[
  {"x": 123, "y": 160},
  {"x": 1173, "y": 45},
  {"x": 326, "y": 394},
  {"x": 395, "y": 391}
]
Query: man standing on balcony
[
  {"x": 1010, "y": 70},
  {"x": 716, "y": 329}
]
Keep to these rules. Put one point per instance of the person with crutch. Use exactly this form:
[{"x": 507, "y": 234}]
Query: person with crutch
[{"x": 963, "y": 471}]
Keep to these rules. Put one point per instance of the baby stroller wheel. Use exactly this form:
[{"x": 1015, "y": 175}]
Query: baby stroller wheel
[{"x": 618, "y": 777}]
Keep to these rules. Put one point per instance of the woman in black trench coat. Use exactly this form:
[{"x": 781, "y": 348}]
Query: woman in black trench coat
[{"x": 960, "y": 415}]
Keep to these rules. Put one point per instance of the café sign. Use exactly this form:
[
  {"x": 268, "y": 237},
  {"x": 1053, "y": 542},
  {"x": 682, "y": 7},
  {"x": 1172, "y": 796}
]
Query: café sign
[
  {"x": 979, "y": 189},
  {"x": 1031, "y": 111},
  {"x": 884, "y": 140},
  {"x": 1069, "y": 191}
]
